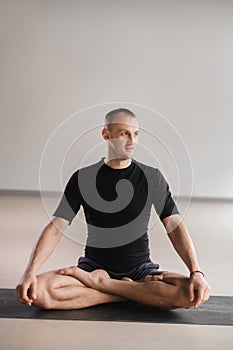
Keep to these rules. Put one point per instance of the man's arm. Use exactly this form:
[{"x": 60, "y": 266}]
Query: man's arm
[
  {"x": 48, "y": 240},
  {"x": 182, "y": 242}
]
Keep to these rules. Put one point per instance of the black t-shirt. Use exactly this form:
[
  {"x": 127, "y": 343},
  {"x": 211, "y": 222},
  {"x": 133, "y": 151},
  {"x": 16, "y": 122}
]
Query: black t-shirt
[{"x": 117, "y": 205}]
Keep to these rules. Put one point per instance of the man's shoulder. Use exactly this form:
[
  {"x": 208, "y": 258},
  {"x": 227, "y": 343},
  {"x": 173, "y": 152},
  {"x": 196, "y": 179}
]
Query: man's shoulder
[
  {"x": 88, "y": 168},
  {"x": 147, "y": 168}
]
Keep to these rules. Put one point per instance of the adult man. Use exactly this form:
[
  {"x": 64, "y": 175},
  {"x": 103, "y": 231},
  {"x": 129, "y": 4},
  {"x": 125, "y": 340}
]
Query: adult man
[{"x": 117, "y": 194}]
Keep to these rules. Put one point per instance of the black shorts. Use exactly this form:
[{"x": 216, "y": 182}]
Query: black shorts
[{"x": 138, "y": 272}]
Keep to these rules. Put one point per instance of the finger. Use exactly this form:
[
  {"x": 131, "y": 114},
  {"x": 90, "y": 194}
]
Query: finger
[
  {"x": 33, "y": 290},
  {"x": 191, "y": 292},
  {"x": 24, "y": 296},
  {"x": 207, "y": 294},
  {"x": 200, "y": 297},
  {"x": 18, "y": 293},
  {"x": 206, "y": 297}
]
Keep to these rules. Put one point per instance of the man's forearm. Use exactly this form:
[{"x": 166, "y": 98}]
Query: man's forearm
[
  {"x": 183, "y": 244},
  {"x": 44, "y": 247}
]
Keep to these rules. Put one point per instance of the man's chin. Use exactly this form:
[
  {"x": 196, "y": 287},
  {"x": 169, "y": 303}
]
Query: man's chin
[
  {"x": 125, "y": 156},
  {"x": 128, "y": 156}
]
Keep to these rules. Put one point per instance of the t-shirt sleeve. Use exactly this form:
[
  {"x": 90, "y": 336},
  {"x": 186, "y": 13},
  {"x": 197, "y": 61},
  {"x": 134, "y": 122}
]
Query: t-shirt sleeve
[
  {"x": 71, "y": 200},
  {"x": 162, "y": 197}
]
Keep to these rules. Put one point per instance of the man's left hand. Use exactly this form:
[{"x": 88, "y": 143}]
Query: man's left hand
[{"x": 199, "y": 290}]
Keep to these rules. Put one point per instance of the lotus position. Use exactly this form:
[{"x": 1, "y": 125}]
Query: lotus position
[{"x": 117, "y": 195}]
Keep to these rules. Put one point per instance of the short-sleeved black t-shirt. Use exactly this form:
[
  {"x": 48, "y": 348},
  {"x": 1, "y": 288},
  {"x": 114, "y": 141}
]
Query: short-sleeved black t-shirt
[{"x": 117, "y": 205}]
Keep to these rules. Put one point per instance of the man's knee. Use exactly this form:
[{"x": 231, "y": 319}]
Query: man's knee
[
  {"x": 49, "y": 287},
  {"x": 44, "y": 298}
]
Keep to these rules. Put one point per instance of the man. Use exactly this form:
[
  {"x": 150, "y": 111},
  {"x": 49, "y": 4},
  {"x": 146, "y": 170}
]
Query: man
[{"x": 117, "y": 194}]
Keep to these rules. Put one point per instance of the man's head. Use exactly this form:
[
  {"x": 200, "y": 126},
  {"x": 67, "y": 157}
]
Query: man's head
[{"x": 121, "y": 130}]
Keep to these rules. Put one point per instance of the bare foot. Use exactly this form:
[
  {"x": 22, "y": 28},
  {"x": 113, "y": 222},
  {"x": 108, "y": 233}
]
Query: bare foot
[
  {"x": 127, "y": 279},
  {"x": 90, "y": 279},
  {"x": 149, "y": 278}
]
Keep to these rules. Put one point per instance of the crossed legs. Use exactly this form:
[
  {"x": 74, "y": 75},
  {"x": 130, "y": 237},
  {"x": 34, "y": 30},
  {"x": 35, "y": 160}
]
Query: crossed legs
[
  {"x": 74, "y": 288},
  {"x": 55, "y": 291}
]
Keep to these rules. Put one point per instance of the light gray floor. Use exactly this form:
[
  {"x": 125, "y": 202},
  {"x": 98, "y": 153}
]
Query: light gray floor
[{"x": 210, "y": 225}]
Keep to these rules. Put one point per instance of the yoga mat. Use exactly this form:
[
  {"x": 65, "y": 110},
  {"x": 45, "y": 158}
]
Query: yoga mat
[{"x": 218, "y": 310}]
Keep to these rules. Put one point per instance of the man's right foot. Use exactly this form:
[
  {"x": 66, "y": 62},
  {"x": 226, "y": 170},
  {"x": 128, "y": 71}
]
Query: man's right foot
[{"x": 90, "y": 279}]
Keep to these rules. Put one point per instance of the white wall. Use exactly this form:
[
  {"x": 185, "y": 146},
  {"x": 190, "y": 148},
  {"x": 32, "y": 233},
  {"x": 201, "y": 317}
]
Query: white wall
[{"x": 175, "y": 57}]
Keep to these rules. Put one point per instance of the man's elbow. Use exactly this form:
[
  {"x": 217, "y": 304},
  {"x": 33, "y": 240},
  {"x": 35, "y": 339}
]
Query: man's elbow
[
  {"x": 56, "y": 226},
  {"x": 172, "y": 222}
]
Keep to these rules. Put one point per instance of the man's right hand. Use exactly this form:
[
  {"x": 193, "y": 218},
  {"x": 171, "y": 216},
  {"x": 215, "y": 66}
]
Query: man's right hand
[{"x": 27, "y": 289}]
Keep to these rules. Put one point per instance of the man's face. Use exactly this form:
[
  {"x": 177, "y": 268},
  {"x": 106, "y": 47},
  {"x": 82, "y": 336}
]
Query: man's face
[{"x": 122, "y": 136}]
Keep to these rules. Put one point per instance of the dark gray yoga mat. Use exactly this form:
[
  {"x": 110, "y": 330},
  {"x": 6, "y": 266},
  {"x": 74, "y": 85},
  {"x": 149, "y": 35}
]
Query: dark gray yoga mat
[{"x": 218, "y": 310}]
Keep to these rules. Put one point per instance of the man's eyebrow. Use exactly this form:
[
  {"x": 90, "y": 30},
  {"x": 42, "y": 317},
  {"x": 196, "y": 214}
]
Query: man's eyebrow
[{"x": 127, "y": 130}]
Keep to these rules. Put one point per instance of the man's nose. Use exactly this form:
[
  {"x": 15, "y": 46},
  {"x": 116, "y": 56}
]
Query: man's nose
[{"x": 131, "y": 136}]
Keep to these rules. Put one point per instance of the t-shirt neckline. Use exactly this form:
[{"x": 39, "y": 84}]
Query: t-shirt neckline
[{"x": 114, "y": 169}]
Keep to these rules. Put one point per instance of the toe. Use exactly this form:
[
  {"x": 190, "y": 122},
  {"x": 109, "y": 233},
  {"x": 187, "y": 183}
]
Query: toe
[{"x": 126, "y": 279}]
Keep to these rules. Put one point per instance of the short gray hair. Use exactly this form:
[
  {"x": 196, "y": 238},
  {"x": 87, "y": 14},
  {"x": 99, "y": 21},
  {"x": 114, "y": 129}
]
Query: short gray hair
[{"x": 110, "y": 115}]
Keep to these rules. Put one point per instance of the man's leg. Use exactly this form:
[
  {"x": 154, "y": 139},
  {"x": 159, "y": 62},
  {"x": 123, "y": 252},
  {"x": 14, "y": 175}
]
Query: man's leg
[
  {"x": 180, "y": 299},
  {"x": 55, "y": 291},
  {"x": 170, "y": 292}
]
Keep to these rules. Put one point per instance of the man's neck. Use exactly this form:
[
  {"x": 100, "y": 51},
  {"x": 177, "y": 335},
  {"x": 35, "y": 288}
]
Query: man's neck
[{"x": 118, "y": 163}]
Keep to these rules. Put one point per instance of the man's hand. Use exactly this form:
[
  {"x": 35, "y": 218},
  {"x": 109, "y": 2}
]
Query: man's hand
[
  {"x": 199, "y": 290},
  {"x": 26, "y": 289}
]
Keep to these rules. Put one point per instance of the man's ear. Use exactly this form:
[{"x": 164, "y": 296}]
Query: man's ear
[{"x": 105, "y": 134}]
